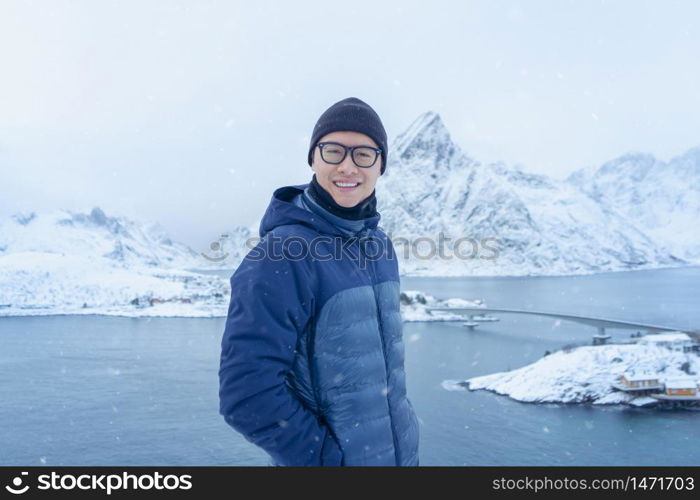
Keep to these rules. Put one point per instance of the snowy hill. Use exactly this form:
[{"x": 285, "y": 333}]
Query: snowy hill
[
  {"x": 95, "y": 235},
  {"x": 662, "y": 198},
  {"x": 585, "y": 374},
  {"x": 63, "y": 261},
  {"x": 511, "y": 222}
]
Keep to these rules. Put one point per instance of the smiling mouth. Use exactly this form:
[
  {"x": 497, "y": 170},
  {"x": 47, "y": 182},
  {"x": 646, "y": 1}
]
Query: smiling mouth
[{"x": 346, "y": 186}]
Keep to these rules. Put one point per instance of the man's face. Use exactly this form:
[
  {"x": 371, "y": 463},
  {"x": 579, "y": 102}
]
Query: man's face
[{"x": 328, "y": 174}]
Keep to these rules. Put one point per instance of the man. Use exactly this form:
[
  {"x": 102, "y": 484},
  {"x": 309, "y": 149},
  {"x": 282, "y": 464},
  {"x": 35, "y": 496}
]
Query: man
[{"x": 312, "y": 358}]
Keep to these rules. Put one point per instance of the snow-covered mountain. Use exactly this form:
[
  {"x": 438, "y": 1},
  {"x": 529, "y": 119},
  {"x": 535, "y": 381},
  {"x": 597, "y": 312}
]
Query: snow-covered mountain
[
  {"x": 62, "y": 261},
  {"x": 511, "y": 222},
  {"x": 95, "y": 236},
  {"x": 124, "y": 242},
  {"x": 663, "y": 199}
]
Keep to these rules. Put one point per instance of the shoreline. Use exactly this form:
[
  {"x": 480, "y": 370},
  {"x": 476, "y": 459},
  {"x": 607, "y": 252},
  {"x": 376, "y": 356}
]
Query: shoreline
[{"x": 588, "y": 374}]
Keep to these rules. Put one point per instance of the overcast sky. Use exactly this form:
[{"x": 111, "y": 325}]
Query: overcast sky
[{"x": 192, "y": 113}]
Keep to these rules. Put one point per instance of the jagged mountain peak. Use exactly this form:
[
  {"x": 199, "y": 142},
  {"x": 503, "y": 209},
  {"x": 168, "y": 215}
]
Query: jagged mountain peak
[
  {"x": 541, "y": 225},
  {"x": 93, "y": 234},
  {"x": 662, "y": 197},
  {"x": 426, "y": 138},
  {"x": 98, "y": 216},
  {"x": 429, "y": 122},
  {"x": 634, "y": 164}
]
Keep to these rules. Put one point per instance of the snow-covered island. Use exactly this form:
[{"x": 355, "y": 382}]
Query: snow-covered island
[
  {"x": 415, "y": 305},
  {"x": 654, "y": 369}
]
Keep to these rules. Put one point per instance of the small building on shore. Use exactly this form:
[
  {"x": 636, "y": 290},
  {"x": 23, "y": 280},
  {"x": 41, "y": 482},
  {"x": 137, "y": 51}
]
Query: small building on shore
[
  {"x": 685, "y": 386},
  {"x": 679, "y": 392},
  {"x": 639, "y": 383},
  {"x": 675, "y": 341}
]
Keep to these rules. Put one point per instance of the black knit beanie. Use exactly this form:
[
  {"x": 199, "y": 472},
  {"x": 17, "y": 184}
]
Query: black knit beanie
[{"x": 350, "y": 114}]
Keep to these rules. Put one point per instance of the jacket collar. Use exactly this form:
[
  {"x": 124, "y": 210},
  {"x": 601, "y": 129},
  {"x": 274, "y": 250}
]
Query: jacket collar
[{"x": 291, "y": 205}]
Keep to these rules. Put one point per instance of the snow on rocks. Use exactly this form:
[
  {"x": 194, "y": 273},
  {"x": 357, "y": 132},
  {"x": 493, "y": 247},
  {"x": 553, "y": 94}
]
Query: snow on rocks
[
  {"x": 415, "y": 305},
  {"x": 585, "y": 374}
]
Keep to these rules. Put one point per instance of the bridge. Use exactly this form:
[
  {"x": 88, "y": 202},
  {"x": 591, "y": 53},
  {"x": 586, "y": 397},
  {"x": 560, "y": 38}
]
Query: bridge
[{"x": 600, "y": 323}]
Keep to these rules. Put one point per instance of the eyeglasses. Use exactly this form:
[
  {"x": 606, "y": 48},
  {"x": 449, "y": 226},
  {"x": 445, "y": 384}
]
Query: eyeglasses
[{"x": 362, "y": 156}]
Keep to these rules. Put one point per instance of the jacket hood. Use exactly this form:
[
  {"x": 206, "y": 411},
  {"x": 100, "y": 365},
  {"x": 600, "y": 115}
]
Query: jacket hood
[{"x": 282, "y": 211}]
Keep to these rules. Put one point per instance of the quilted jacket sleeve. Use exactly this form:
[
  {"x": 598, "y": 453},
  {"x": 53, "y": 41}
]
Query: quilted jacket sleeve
[{"x": 270, "y": 303}]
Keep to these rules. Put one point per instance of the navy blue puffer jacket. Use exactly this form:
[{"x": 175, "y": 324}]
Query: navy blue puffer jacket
[{"x": 312, "y": 357}]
